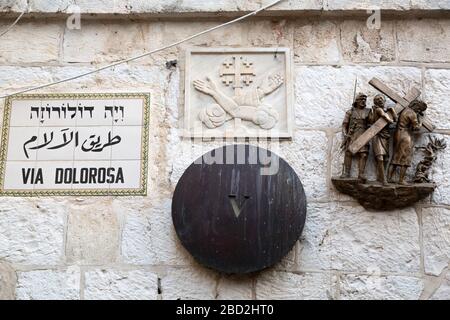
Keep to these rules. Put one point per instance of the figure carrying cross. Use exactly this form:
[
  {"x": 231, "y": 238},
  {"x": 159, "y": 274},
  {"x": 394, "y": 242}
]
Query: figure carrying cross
[{"x": 410, "y": 118}]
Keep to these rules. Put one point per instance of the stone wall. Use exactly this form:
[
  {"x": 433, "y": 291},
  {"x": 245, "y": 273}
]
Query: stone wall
[{"x": 126, "y": 248}]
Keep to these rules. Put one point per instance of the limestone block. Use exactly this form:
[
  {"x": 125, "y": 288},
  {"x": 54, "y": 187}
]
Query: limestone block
[
  {"x": 366, "y": 4},
  {"x": 148, "y": 237},
  {"x": 443, "y": 292},
  {"x": 50, "y": 6},
  {"x": 430, "y": 4},
  {"x": 316, "y": 41},
  {"x": 14, "y": 78},
  {"x": 314, "y": 247},
  {"x": 191, "y": 283},
  {"x": 307, "y": 154},
  {"x": 324, "y": 93},
  {"x": 424, "y": 40},
  {"x": 303, "y": 286},
  {"x": 363, "y": 44},
  {"x": 437, "y": 95},
  {"x": 436, "y": 239},
  {"x": 375, "y": 287},
  {"x": 264, "y": 33},
  {"x": 92, "y": 233},
  {"x": 357, "y": 240},
  {"x": 105, "y": 42},
  {"x": 235, "y": 288},
  {"x": 39, "y": 42},
  {"x": 8, "y": 280},
  {"x": 32, "y": 230},
  {"x": 101, "y": 284},
  {"x": 196, "y": 6},
  {"x": 49, "y": 284},
  {"x": 13, "y": 5}
]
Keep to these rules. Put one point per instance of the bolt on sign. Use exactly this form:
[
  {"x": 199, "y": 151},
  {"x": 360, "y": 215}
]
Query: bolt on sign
[{"x": 75, "y": 144}]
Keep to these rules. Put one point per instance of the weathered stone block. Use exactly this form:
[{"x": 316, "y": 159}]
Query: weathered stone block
[
  {"x": 120, "y": 285},
  {"x": 307, "y": 154},
  {"x": 436, "y": 239},
  {"x": 316, "y": 41},
  {"x": 360, "y": 241},
  {"x": 365, "y": 5},
  {"x": 424, "y": 40},
  {"x": 49, "y": 284},
  {"x": 99, "y": 42},
  {"x": 375, "y": 287},
  {"x": 8, "y": 280},
  {"x": 361, "y": 44},
  {"x": 32, "y": 231},
  {"x": 92, "y": 233},
  {"x": 430, "y": 4},
  {"x": 437, "y": 96},
  {"x": 13, "y": 5},
  {"x": 284, "y": 285},
  {"x": 193, "y": 283},
  {"x": 149, "y": 237},
  {"x": 39, "y": 42},
  {"x": 14, "y": 78},
  {"x": 443, "y": 292},
  {"x": 324, "y": 93},
  {"x": 235, "y": 288},
  {"x": 314, "y": 247}
]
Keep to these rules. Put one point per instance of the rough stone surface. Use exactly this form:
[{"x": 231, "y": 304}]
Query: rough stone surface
[
  {"x": 443, "y": 292},
  {"x": 235, "y": 288},
  {"x": 149, "y": 238},
  {"x": 316, "y": 41},
  {"x": 42, "y": 39},
  {"x": 373, "y": 287},
  {"x": 32, "y": 231},
  {"x": 308, "y": 157},
  {"x": 186, "y": 6},
  {"x": 178, "y": 283},
  {"x": 49, "y": 284},
  {"x": 304, "y": 286},
  {"x": 361, "y": 44},
  {"x": 314, "y": 246},
  {"x": 99, "y": 42},
  {"x": 92, "y": 233},
  {"x": 424, "y": 40},
  {"x": 436, "y": 239},
  {"x": 324, "y": 93},
  {"x": 437, "y": 96},
  {"x": 8, "y": 280},
  {"x": 361, "y": 240},
  {"x": 120, "y": 285}
]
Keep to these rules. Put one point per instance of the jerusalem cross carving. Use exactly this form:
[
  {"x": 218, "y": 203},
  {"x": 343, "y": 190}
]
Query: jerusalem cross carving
[{"x": 238, "y": 93}]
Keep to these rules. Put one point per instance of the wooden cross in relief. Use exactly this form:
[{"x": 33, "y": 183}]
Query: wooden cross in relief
[{"x": 401, "y": 103}]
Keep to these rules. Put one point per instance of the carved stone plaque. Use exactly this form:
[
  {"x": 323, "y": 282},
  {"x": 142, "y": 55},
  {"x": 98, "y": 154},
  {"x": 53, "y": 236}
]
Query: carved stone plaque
[
  {"x": 75, "y": 144},
  {"x": 238, "y": 93},
  {"x": 235, "y": 215}
]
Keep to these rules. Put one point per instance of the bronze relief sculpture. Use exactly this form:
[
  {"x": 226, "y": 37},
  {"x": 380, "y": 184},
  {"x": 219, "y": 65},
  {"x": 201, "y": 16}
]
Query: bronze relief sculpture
[{"x": 372, "y": 130}]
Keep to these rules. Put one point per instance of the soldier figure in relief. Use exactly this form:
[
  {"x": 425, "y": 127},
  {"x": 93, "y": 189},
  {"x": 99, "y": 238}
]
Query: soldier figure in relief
[
  {"x": 380, "y": 143},
  {"x": 408, "y": 122},
  {"x": 354, "y": 125}
]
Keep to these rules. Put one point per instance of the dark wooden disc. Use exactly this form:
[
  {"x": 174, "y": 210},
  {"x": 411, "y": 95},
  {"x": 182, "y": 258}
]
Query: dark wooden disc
[{"x": 233, "y": 218}]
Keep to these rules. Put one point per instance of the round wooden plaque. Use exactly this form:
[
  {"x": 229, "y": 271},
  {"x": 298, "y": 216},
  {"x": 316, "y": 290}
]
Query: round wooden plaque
[{"x": 242, "y": 213}]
